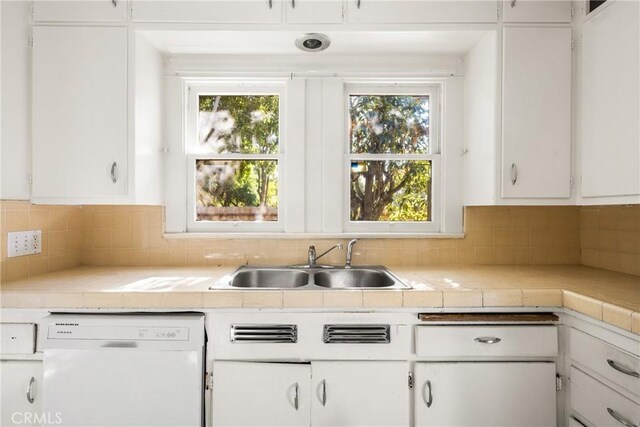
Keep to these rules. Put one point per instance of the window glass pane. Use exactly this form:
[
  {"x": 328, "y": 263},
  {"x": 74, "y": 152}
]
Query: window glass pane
[
  {"x": 238, "y": 124},
  {"x": 391, "y": 190},
  {"x": 236, "y": 190},
  {"x": 383, "y": 124}
]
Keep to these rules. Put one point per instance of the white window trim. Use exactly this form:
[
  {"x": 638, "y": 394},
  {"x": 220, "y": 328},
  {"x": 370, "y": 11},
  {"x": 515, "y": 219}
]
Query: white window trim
[
  {"x": 194, "y": 91},
  {"x": 388, "y": 88}
]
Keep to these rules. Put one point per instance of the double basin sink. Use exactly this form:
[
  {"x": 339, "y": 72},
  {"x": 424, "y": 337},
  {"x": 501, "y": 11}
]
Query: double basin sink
[{"x": 304, "y": 277}]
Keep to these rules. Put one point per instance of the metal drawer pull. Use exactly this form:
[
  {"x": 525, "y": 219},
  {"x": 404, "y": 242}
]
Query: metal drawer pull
[
  {"x": 114, "y": 178},
  {"x": 514, "y": 174},
  {"x": 324, "y": 393},
  {"x": 513, "y": 3},
  {"x": 293, "y": 4},
  {"x": 115, "y": 3},
  {"x": 578, "y": 421},
  {"x": 427, "y": 399},
  {"x": 618, "y": 367},
  {"x": 488, "y": 340},
  {"x": 295, "y": 398},
  {"x": 619, "y": 418},
  {"x": 270, "y": 4},
  {"x": 30, "y": 397},
  {"x": 358, "y": 2}
]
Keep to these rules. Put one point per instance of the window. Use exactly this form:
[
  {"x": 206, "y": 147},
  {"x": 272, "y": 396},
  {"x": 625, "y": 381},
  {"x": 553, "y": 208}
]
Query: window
[
  {"x": 234, "y": 158},
  {"x": 392, "y": 158}
]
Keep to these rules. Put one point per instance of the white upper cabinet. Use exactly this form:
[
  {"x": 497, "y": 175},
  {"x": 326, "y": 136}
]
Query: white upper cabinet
[
  {"x": 552, "y": 11},
  {"x": 610, "y": 101},
  {"x": 80, "y": 115},
  {"x": 80, "y": 11},
  {"x": 212, "y": 11},
  {"x": 421, "y": 11},
  {"x": 314, "y": 11},
  {"x": 536, "y": 112}
]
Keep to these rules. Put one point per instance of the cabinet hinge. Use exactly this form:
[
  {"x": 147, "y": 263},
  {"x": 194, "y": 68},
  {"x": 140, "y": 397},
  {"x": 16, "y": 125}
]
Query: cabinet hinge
[
  {"x": 558, "y": 382},
  {"x": 208, "y": 380},
  {"x": 410, "y": 381},
  {"x": 498, "y": 12},
  {"x": 570, "y": 182},
  {"x": 33, "y": 11},
  {"x": 31, "y": 41},
  {"x": 573, "y": 10},
  {"x": 573, "y": 44},
  {"x": 30, "y": 181}
]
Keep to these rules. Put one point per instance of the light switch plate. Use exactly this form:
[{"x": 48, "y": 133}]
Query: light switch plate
[{"x": 21, "y": 243}]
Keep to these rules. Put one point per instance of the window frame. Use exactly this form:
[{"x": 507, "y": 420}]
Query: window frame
[
  {"x": 434, "y": 91},
  {"x": 233, "y": 88}
]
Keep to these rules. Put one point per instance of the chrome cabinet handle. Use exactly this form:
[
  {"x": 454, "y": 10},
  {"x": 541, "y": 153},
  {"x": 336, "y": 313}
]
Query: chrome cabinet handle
[
  {"x": 578, "y": 421},
  {"x": 30, "y": 397},
  {"x": 428, "y": 400},
  {"x": 619, "y": 418},
  {"x": 488, "y": 340},
  {"x": 114, "y": 177},
  {"x": 293, "y": 4},
  {"x": 618, "y": 367},
  {"x": 324, "y": 393},
  {"x": 295, "y": 398},
  {"x": 115, "y": 3},
  {"x": 514, "y": 174},
  {"x": 270, "y": 4},
  {"x": 358, "y": 3},
  {"x": 513, "y": 3}
]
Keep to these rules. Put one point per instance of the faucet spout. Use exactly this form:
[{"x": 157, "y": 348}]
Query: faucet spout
[
  {"x": 350, "y": 252},
  {"x": 313, "y": 258}
]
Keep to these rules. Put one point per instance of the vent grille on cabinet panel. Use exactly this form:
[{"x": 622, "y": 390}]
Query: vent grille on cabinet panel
[
  {"x": 264, "y": 333},
  {"x": 357, "y": 334}
]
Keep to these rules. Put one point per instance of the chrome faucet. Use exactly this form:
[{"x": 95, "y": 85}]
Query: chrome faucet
[
  {"x": 350, "y": 252},
  {"x": 312, "y": 258}
]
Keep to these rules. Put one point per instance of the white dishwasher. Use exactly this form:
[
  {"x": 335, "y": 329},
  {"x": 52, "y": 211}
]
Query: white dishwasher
[{"x": 124, "y": 370}]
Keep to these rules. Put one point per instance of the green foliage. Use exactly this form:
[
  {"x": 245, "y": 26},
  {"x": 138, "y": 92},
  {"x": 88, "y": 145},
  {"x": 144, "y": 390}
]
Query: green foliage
[
  {"x": 247, "y": 124},
  {"x": 390, "y": 190}
]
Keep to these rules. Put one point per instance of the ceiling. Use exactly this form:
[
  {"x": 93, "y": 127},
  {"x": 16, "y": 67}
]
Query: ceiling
[{"x": 342, "y": 42}]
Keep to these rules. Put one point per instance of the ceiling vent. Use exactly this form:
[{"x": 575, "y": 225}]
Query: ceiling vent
[{"x": 313, "y": 42}]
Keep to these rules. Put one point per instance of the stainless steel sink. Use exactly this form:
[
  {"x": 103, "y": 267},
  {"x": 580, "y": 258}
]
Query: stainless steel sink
[
  {"x": 354, "y": 278},
  {"x": 270, "y": 278},
  {"x": 304, "y": 278}
]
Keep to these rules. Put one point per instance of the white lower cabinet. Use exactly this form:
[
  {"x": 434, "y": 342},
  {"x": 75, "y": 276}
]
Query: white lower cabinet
[
  {"x": 21, "y": 402},
  {"x": 318, "y": 393},
  {"x": 485, "y": 394}
]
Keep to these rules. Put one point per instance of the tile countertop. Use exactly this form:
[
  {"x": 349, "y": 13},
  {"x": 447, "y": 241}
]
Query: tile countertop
[{"x": 611, "y": 297}]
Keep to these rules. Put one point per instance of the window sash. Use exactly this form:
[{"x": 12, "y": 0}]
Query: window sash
[{"x": 382, "y": 88}]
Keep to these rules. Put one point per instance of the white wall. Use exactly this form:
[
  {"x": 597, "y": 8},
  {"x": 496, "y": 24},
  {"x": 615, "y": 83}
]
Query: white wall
[
  {"x": 480, "y": 160},
  {"x": 148, "y": 140},
  {"x": 15, "y": 164}
]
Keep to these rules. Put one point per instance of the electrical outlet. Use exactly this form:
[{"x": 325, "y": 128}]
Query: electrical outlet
[{"x": 21, "y": 243}]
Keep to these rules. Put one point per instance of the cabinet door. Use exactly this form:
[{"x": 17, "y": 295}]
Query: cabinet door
[
  {"x": 610, "y": 103},
  {"x": 20, "y": 385},
  {"x": 80, "y": 11},
  {"x": 233, "y": 11},
  {"x": 421, "y": 11},
  {"x": 485, "y": 394},
  {"x": 536, "y": 112},
  {"x": 536, "y": 11},
  {"x": 79, "y": 112},
  {"x": 359, "y": 394},
  {"x": 260, "y": 394},
  {"x": 314, "y": 11}
]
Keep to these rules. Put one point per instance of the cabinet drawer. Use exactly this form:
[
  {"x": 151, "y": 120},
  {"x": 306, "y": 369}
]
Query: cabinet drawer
[
  {"x": 599, "y": 404},
  {"x": 612, "y": 363},
  {"x": 492, "y": 341}
]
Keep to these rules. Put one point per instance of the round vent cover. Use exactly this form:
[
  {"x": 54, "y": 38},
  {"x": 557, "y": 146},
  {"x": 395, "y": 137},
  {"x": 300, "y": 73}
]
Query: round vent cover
[{"x": 313, "y": 42}]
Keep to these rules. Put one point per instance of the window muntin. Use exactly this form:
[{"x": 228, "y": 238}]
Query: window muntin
[
  {"x": 392, "y": 159},
  {"x": 235, "y": 159}
]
